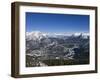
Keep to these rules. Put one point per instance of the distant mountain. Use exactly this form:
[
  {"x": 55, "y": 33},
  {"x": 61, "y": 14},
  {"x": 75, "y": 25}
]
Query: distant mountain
[{"x": 37, "y": 35}]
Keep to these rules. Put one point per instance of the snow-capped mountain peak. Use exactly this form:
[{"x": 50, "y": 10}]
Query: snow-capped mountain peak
[
  {"x": 83, "y": 35},
  {"x": 37, "y": 35},
  {"x": 34, "y": 35}
]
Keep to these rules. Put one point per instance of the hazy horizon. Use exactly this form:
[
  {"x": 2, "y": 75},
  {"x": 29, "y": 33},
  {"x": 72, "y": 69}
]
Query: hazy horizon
[{"x": 57, "y": 32}]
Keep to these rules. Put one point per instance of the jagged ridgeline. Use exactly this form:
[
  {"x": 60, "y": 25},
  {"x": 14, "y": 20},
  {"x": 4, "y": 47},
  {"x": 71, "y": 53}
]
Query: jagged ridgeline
[{"x": 44, "y": 49}]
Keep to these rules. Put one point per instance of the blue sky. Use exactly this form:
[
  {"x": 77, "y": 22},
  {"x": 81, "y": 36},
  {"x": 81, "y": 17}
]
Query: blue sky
[{"x": 56, "y": 23}]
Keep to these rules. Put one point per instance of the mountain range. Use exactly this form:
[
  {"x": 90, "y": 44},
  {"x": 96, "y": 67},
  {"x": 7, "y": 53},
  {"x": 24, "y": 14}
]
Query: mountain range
[
  {"x": 34, "y": 35},
  {"x": 44, "y": 47}
]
